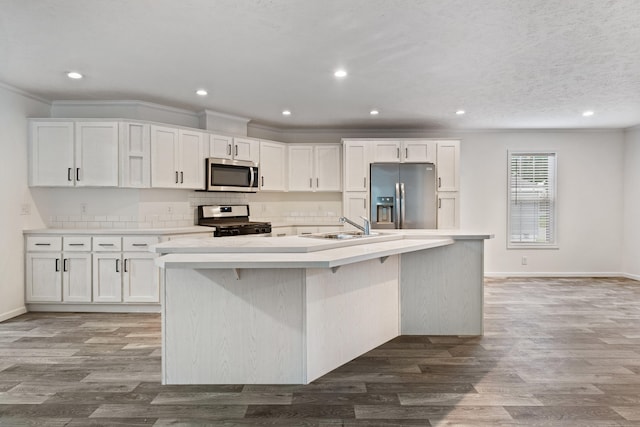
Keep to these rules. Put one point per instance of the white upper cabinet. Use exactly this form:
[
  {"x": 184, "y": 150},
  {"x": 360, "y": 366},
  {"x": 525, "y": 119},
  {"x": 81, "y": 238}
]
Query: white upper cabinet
[
  {"x": 135, "y": 155},
  {"x": 221, "y": 146},
  {"x": 273, "y": 166},
  {"x": 448, "y": 165},
  {"x": 246, "y": 149},
  {"x": 315, "y": 167},
  {"x": 356, "y": 165},
  {"x": 228, "y": 147},
  {"x": 177, "y": 158},
  {"x": 412, "y": 151},
  {"x": 68, "y": 153}
]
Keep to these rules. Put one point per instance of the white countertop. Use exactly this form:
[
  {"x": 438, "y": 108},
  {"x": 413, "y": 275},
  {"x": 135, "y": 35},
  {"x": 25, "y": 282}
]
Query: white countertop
[{"x": 328, "y": 258}]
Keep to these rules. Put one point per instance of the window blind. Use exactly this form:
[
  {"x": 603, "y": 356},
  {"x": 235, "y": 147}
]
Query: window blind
[{"x": 532, "y": 199}]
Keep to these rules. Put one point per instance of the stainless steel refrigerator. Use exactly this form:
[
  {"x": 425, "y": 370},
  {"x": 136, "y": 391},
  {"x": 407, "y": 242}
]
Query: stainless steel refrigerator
[{"x": 403, "y": 195}]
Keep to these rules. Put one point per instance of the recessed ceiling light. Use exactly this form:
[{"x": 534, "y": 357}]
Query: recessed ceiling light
[
  {"x": 202, "y": 92},
  {"x": 460, "y": 112},
  {"x": 588, "y": 113},
  {"x": 286, "y": 113},
  {"x": 374, "y": 112},
  {"x": 74, "y": 75},
  {"x": 340, "y": 73}
]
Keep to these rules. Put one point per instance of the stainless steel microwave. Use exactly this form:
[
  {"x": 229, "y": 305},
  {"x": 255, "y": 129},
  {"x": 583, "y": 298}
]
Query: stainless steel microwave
[{"x": 232, "y": 175}]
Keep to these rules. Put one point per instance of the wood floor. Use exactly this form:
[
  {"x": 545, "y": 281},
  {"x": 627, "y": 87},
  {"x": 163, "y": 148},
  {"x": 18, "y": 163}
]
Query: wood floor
[{"x": 556, "y": 352}]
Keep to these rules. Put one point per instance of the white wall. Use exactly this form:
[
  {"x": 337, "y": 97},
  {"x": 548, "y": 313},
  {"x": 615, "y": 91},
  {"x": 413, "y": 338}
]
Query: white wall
[
  {"x": 631, "y": 239},
  {"x": 15, "y": 107},
  {"x": 590, "y": 200}
]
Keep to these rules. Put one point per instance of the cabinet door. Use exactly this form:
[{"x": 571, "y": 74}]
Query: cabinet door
[
  {"x": 96, "y": 154},
  {"x": 164, "y": 157},
  {"x": 192, "y": 160},
  {"x": 273, "y": 168},
  {"x": 328, "y": 168},
  {"x": 246, "y": 149},
  {"x": 386, "y": 151},
  {"x": 301, "y": 168},
  {"x": 135, "y": 155},
  {"x": 356, "y": 166},
  {"x": 107, "y": 277},
  {"x": 448, "y": 210},
  {"x": 44, "y": 280},
  {"x": 51, "y": 154},
  {"x": 355, "y": 206},
  {"x": 419, "y": 151},
  {"x": 448, "y": 159},
  {"x": 140, "y": 278},
  {"x": 76, "y": 277},
  {"x": 220, "y": 146}
]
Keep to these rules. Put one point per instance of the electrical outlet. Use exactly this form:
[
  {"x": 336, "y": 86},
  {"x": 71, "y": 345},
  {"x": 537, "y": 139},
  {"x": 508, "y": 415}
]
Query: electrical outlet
[
  {"x": 25, "y": 209},
  {"x": 524, "y": 260},
  {"x": 83, "y": 208}
]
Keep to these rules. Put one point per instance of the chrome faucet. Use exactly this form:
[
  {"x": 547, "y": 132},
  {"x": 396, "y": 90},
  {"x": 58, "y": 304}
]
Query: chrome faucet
[{"x": 366, "y": 229}]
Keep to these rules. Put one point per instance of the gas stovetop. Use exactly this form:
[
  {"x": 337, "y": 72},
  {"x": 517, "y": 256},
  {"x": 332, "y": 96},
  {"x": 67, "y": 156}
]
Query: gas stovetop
[{"x": 230, "y": 220}]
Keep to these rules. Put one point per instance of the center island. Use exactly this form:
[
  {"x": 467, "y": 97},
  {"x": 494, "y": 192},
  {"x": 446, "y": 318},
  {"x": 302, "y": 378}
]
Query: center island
[{"x": 287, "y": 310}]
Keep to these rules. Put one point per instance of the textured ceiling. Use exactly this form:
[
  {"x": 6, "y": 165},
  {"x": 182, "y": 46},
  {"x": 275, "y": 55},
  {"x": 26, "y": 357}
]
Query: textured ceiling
[{"x": 508, "y": 63}]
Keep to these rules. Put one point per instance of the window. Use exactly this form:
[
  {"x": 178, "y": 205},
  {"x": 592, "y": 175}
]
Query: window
[{"x": 532, "y": 199}]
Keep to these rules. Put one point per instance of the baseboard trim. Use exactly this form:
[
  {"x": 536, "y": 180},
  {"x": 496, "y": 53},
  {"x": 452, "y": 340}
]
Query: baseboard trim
[
  {"x": 558, "y": 274},
  {"x": 13, "y": 313},
  {"x": 95, "y": 308},
  {"x": 631, "y": 276}
]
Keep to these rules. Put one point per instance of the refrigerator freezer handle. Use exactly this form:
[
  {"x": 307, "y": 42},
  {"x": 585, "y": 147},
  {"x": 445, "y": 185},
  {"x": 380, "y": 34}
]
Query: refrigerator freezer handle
[
  {"x": 402, "y": 199},
  {"x": 396, "y": 218}
]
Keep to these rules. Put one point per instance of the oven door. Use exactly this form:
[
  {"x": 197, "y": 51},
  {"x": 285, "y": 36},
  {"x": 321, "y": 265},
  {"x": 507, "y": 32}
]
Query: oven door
[{"x": 232, "y": 175}]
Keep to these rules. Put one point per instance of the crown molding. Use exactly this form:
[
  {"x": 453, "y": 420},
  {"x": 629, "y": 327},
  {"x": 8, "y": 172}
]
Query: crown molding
[
  {"x": 125, "y": 103},
  {"x": 206, "y": 112},
  {"x": 24, "y": 93}
]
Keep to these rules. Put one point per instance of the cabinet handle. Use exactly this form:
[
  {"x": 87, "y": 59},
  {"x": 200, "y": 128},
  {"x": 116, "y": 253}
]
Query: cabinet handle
[
  {"x": 139, "y": 244},
  {"x": 397, "y": 153},
  {"x": 317, "y": 182},
  {"x": 125, "y": 265},
  {"x": 439, "y": 203},
  {"x": 75, "y": 244},
  {"x": 236, "y": 150},
  {"x": 43, "y": 244},
  {"x": 310, "y": 182},
  {"x": 117, "y": 266},
  {"x": 364, "y": 203},
  {"x": 69, "y": 174},
  {"x": 406, "y": 153},
  {"x": 105, "y": 244},
  {"x": 365, "y": 182},
  {"x": 64, "y": 264},
  {"x": 176, "y": 177},
  {"x": 262, "y": 177},
  {"x": 229, "y": 149},
  {"x": 57, "y": 264},
  {"x": 77, "y": 174},
  {"x": 439, "y": 182},
  {"x": 181, "y": 177}
]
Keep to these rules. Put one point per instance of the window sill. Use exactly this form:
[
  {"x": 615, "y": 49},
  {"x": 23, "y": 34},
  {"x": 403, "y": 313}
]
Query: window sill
[{"x": 532, "y": 246}]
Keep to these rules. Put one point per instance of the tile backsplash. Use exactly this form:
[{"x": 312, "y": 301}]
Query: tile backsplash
[{"x": 172, "y": 209}]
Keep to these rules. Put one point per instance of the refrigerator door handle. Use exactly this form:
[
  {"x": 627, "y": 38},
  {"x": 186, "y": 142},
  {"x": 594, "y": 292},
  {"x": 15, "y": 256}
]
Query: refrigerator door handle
[
  {"x": 396, "y": 214},
  {"x": 402, "y": 199}
]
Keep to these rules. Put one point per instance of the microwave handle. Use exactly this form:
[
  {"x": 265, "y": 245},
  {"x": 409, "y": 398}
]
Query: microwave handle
[{"x": 253, "y": 176}]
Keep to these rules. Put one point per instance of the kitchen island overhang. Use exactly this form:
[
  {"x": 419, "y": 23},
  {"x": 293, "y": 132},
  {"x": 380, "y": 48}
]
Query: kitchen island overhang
[{"x": 233, "y": 314}]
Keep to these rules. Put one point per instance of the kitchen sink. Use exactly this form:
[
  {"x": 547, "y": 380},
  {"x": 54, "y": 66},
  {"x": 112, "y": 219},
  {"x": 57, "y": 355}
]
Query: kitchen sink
[{"x": 339, "y": 235}]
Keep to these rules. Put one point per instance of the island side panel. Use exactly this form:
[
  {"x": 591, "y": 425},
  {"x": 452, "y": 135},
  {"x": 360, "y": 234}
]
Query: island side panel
[
  {"x": 441, "y": 291},
  {"x": 219, "y": 330},
  {"x": 349, "y": 312}
]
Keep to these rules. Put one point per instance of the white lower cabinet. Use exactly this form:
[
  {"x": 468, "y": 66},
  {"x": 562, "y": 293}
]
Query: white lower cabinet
[{"x": 91, "y": 270}]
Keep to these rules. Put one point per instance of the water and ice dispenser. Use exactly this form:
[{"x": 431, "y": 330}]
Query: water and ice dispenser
[{"x": 384, "y": 210}]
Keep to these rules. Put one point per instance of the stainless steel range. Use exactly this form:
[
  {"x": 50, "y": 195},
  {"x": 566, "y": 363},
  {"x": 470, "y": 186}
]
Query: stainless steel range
[{"x": 231, "y": 220}]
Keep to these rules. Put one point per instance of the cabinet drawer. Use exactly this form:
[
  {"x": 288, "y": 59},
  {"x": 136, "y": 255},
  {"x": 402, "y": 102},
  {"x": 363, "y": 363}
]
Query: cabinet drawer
[
  {"x": 138, "y": 243},
  {"x": 107, "y": 244},
  {"x": 76, "y": 244},
  {"x": 44, "y": 243}
]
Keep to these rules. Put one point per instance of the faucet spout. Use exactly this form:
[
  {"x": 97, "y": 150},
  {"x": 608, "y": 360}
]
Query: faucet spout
[{"x": 366, "y": 229}]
